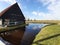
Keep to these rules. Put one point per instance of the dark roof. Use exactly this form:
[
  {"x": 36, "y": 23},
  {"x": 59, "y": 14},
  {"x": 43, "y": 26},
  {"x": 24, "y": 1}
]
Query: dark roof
[
  {"x": 6, "y": 9},
  {"x": 14, "y": 9}
]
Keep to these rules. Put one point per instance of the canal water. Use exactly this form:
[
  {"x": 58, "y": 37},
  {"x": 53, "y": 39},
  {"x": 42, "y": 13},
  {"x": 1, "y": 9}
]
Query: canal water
[{"x": 31, "y": 30}]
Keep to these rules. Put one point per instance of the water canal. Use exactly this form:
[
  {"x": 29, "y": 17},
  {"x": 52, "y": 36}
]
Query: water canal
[{"x": 31, "y": 30}]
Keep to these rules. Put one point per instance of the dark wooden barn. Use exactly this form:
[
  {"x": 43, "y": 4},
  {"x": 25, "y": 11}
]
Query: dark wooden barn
[{"x": 12, "y": 16}]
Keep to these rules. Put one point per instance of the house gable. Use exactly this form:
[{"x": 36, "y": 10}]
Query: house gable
[{"x": 13, "y": 12}]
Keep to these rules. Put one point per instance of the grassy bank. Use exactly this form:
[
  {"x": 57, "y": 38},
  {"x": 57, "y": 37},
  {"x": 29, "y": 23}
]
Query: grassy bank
[
  {"x": 11, "y": 27},
  {"x": 49, "y": 35}
]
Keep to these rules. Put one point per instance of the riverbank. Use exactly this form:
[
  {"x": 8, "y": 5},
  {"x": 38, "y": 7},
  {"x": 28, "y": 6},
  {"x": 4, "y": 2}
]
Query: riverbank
[
  {"x": 49, "y": 35},
  {"x": 11, "y": 27}
]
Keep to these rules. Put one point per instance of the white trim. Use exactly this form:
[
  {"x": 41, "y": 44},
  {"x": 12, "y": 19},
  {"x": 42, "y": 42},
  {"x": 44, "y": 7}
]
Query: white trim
[{"x": 0, "y": 22}]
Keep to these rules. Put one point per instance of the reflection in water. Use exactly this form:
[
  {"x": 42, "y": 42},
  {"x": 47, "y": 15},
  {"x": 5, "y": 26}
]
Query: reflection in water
[
  {"x": 31, "y": 31},
  {"x": 25, "y": 35},
  {"x": 13, "y": 37}
]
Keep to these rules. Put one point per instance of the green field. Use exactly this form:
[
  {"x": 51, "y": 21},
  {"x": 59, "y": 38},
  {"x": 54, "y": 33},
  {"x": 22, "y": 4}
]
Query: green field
[
  {"x": 11, "y": 27},
  {"x": 49, "y": 35},
  {"x": 43, "y": 21}
]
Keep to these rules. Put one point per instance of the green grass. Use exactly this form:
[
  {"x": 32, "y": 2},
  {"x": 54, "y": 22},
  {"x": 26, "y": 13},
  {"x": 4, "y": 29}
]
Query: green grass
[
  {"x": 49, "y": 35},
  {"x": 11, "y": 27}
]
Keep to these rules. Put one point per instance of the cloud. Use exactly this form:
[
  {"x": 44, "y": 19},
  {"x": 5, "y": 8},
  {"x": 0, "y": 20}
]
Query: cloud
[
  {"x": 45, "y": 2},
  {"x": 53, "y": 7},
  {"x": 35, "y": 13},
  {"x": 9, "y": 1},
  {"x": 45, "y": 16}
]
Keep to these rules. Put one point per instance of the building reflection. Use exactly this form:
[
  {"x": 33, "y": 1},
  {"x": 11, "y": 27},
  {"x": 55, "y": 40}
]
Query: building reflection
[
  {"x": 12, "y": 17},
  {"x": 14, "y": 37}
]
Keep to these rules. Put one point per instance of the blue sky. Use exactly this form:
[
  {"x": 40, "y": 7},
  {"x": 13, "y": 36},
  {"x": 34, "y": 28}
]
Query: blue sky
[{"x": 36, "y": 9}]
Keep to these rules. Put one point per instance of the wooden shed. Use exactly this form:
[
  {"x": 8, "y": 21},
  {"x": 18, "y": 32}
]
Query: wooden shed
[{"x": 12, "y": 16}]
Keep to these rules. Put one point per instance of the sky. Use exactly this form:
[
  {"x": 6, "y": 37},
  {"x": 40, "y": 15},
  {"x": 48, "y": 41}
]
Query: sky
[{"x": 36, "y": 9}]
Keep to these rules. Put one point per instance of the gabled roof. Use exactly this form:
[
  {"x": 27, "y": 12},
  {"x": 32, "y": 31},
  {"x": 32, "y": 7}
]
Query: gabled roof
[{"x": 6, "y": 9}]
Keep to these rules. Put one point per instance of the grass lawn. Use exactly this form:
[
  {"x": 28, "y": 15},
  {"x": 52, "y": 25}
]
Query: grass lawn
[
  {"x": 49, "y": 35},
  {"x": 11, "y": 27}
]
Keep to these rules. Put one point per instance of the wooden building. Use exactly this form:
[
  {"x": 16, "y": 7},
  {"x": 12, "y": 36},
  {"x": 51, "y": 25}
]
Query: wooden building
[{"x": 12, "y": 16}]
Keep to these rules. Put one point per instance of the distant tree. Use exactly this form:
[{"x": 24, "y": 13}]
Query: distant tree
[
  {"x": 28, "y": 19},
  {"x": 34, "y": 19}
]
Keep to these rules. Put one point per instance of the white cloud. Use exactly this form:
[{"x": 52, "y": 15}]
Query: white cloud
[
  {"x": 35, "y": 13},
  {"x": 45, "y": 2},
  {"x": 9, "y": 1},
  {"x": 53, "y": 7},
  {"x": 46, "y": 16}
]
